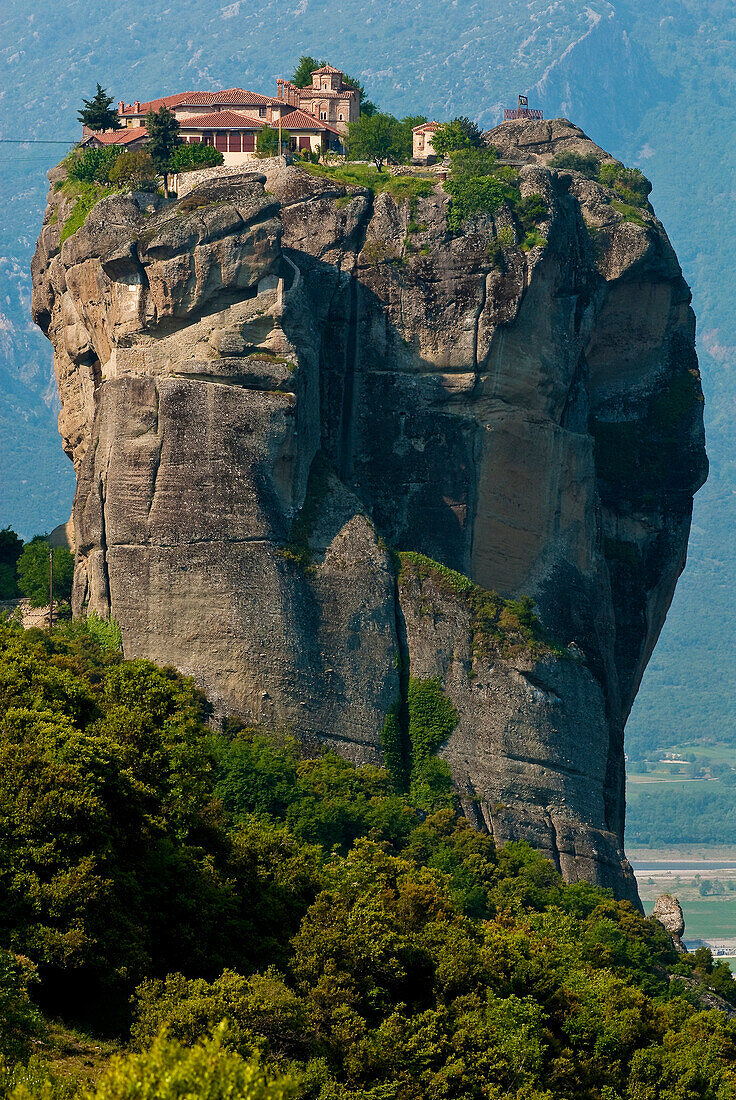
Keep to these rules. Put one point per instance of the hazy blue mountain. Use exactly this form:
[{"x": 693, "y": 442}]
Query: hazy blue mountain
[{"x": 651, "y": 80}]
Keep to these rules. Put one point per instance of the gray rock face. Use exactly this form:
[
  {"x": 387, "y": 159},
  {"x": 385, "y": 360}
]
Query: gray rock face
[
  {"x": 263, "y": 388},
  {"x": 668, "y": 911}
]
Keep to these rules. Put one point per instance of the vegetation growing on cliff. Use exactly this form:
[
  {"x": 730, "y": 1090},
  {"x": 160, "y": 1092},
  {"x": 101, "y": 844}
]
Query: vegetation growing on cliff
[
  {"x": 497, "y": 625},
  {"x": 295, "y": 927}
]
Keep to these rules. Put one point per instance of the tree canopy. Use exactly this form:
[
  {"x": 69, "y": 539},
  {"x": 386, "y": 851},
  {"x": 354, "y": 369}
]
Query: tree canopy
[
  {"x": 376, "y": 138},
  {"x": 459, "y": 133},
  {"x": 97, "y": 113},
  {"x": 295, "y": 927},
  {"x": 33, "y": 572},
  {"x": 163, "y": 139}
]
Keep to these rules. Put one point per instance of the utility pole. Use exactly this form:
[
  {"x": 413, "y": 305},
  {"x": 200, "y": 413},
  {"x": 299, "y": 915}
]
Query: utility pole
[{"x": 51, "y": 587}]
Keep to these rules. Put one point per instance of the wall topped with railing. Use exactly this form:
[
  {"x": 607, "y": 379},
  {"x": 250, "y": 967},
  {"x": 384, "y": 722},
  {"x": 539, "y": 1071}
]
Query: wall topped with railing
[{"x": 521, "y": 112}]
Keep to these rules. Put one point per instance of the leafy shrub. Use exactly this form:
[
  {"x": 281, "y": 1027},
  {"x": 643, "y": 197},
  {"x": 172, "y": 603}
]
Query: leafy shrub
[
  {"x": 187, "y": 157},
  {"x": 631, "y": 184},
  {"x": 171, "y": 1071},
  {"x": 460, "y": 133},
  {"x": 94, "y": 165},
  {"x": 472, "y": 196},
  {"x": 587, "y": 164},
  {"x": 20, "y": 1020},
  {"x": 134, "y": 169}
]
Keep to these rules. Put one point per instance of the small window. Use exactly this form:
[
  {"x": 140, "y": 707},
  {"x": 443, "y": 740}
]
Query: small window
[
  {"x": 261, "y": 112},
  {"x": 323, "y": 115},
  {"x": 340, "y": 118}
]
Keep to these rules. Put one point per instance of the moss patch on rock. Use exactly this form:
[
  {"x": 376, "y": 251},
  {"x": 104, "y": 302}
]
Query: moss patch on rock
[
  {"x": 498, "y": 625},
  {"x": 296, "y": 550},
  {"x": 87, "y": 195}
]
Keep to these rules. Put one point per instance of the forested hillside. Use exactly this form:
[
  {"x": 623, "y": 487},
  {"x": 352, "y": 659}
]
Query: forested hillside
[
  {"x": 187, "y": 914},
  {"x": 651, "y": 81}
]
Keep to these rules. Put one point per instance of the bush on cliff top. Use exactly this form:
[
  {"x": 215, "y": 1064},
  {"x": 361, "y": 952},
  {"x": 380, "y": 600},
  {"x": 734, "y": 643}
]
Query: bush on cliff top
[{"x": 354, "y": 946}]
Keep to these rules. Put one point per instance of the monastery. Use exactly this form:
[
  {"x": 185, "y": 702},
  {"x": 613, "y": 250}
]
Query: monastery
[{"x": 310, "y": 118}]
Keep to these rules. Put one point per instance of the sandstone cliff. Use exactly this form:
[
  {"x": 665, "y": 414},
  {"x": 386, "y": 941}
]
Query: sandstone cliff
[{"x": 272, "y": 384}]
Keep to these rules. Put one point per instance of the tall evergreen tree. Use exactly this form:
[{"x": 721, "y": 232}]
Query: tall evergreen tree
[
  {"x": 302, "y": 75},
  {"x": 97, "y": 112},
  {"x": 163, "y": 138}
]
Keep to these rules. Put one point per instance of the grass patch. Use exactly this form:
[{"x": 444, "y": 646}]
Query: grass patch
[
  {"x": 87, "y": 197},
  {"x": 401, "y": 188},
  {"x": 497, "y": 625},
  {"x": 533, "y": 239},
  {"x": 629, "y": 213}
]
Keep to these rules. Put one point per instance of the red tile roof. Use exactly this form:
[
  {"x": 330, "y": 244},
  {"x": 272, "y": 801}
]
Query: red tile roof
[
  {"x": 300, "y": 120},
  {"x": 327, "y": 69},
  {"x": 221, "y": 120},
  {"x": 120, "y": 137},
  {"x": 426, "y": 126},
  {"x": 155, "y": 104},
  {"x": 234, "y": 96}
]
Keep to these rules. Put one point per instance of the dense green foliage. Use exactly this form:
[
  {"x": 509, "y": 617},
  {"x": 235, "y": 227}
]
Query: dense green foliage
[
  {"x": 163, "y": 139},
  {"x": 377, "y": 138},
  {"x": 670, "y": 815},
  {"x": 186, "y": 157},
  {"x": 98, "y": 113},
  {"x": 92, "y": 165},
  {"x": 33, "y": 570},
  {"x": 134, "y": 170},
  {"x": 296, "y": 927},
  {"x": 11, "y": 546},
  {"x": 459, "y": 133},
  {"x": 478, "y": 185},
  {"x": 267, "y": 142}
]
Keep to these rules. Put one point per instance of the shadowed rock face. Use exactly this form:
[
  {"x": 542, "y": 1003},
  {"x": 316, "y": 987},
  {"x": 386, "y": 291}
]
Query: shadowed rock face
[{"x": 262, "y": 388}]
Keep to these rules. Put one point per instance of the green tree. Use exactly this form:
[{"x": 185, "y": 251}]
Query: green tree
[
  {"x": 11, "y": 547},
  {"x": 134, "y": 169},
  {"x": 196, "y": 155},
  {"x": 20, "y": 1020},
  {"x": 460, "y": 133},
  {"x": 377, "y": 138},
  {"x": 267, "y": 142},
  {"x": 94, "y": 165},
  {"x": 171, "y": 1071},
  {"x": 97, "y": 113},
  {"x": 33, "y": 572},
  {"x": 163, "y": 139},
  {"x": 302, "y": 75}
]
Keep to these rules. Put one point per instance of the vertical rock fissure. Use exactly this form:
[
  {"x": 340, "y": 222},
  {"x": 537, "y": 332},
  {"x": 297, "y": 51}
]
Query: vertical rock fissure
[
  {"x": 351, "y": 352},
  {"x": 402, "y": 646},
  {"x": 348, "y": 390}
]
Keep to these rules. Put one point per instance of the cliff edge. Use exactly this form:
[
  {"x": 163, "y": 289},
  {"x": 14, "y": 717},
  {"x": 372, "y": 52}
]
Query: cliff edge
[{"x": 272, "y": 386}]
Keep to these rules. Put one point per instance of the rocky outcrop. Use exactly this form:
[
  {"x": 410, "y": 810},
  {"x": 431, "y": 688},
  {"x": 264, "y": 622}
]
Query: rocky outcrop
[
  {"x": 668, "y": 911},
  {"x": 271, "y": 384}
]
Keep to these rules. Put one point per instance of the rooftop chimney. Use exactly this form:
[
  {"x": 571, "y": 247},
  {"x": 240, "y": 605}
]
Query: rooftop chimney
[
  {"x": 137, "y": 107},
  {"x": 121, "y": 107}
]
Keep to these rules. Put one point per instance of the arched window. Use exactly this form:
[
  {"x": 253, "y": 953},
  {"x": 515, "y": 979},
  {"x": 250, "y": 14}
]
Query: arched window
[{"x": 340, "y": 118}]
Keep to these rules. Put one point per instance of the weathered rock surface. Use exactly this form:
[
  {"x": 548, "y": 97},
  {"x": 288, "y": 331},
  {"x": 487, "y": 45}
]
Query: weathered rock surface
[
  {"x": 668, "y": 911},
  {"x": 534, "y": 423}
]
